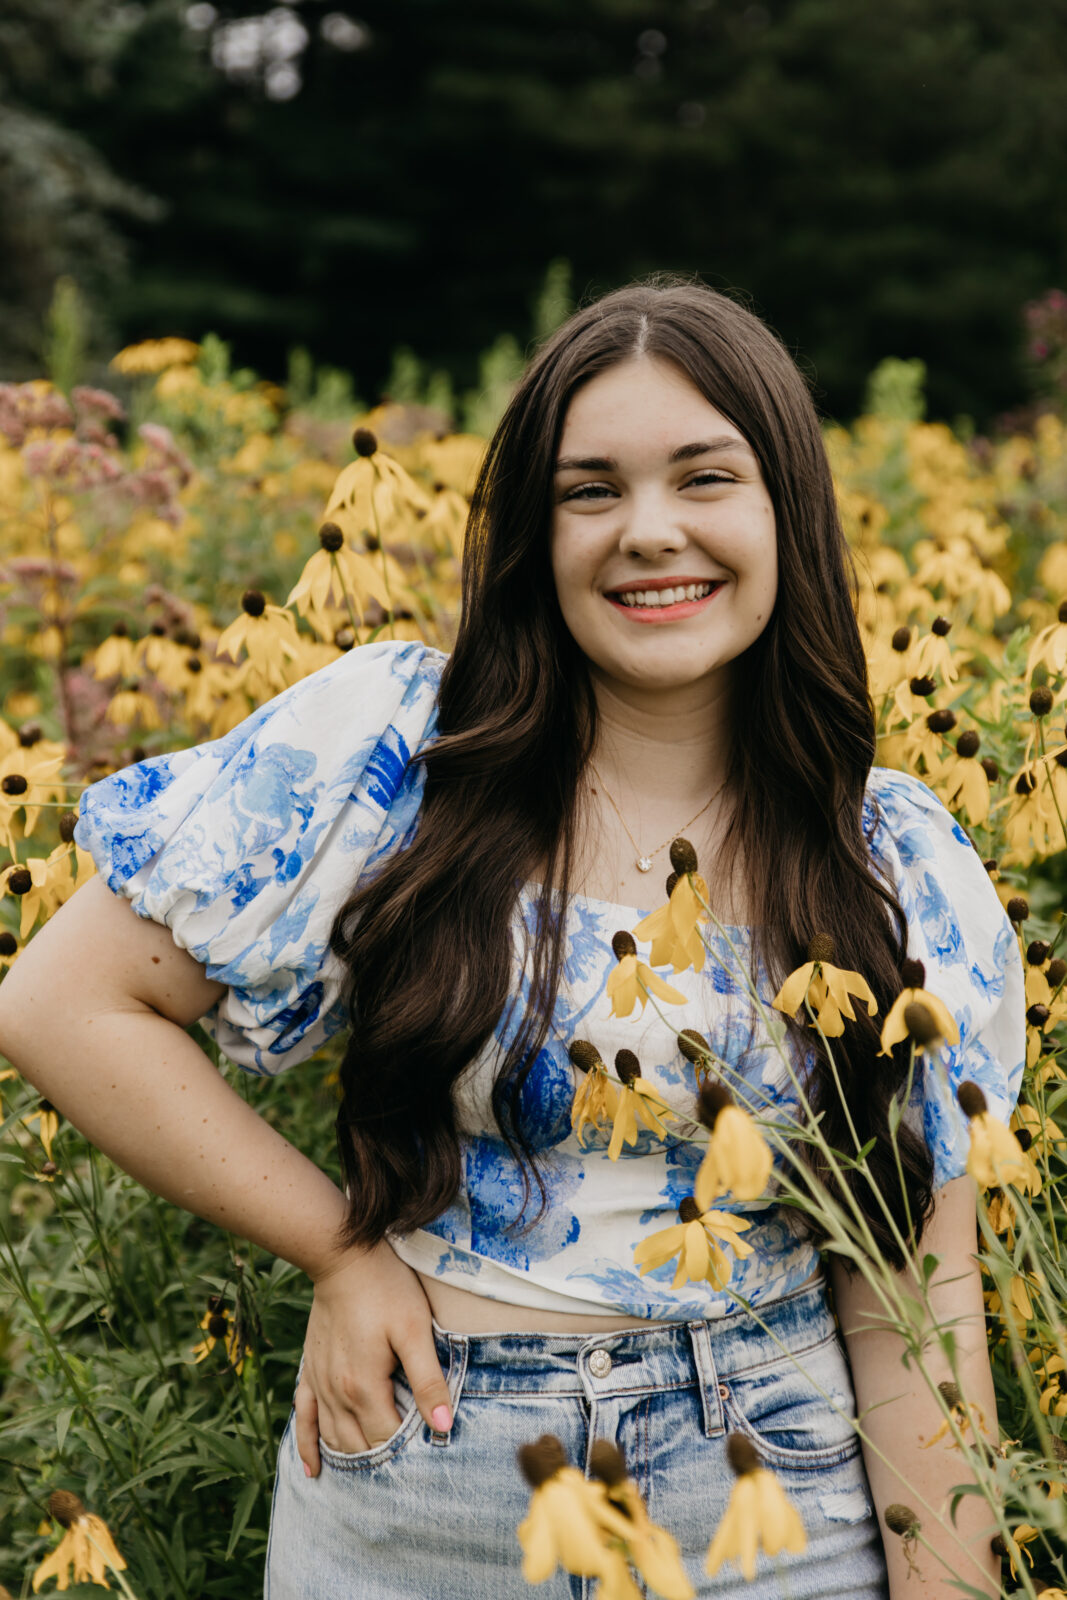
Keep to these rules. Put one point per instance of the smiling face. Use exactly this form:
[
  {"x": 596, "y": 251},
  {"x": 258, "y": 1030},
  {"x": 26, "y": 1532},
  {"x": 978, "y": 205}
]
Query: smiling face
[{"x": 663, "y": 543}]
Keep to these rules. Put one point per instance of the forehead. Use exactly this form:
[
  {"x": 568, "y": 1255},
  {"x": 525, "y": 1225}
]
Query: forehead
[{"x": 645, "y": 401}]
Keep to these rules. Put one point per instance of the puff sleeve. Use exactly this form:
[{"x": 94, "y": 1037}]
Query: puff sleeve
[
  {"x": 245, "y": 847},
  {"x": 959, "y": 930}
]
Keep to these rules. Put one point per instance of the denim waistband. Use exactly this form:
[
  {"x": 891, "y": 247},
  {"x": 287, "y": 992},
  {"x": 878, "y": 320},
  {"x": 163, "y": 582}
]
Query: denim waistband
[{"x": 664, "y": 1355}]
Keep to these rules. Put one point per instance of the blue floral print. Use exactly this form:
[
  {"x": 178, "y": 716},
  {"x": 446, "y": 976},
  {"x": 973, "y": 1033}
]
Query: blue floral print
[{"x": 246, "y": 847}]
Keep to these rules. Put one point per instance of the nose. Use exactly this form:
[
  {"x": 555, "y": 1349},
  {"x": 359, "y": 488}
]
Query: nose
[{"x": 652, "y": 527}]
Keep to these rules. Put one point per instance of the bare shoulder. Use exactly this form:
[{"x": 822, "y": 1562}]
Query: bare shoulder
[{"x": 98, "y": 955}]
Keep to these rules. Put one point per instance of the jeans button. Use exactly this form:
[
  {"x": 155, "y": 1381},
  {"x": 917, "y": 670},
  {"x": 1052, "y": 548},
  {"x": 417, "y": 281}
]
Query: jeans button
[{"x": 600, "y": 1363}]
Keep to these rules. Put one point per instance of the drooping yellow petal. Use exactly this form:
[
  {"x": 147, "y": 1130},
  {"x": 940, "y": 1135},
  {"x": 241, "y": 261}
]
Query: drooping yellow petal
[{"x": 794, "y": 990}]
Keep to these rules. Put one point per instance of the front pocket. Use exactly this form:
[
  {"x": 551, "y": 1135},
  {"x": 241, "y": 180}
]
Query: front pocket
[
  {"x": 782, "y": 1408},
  {"x": 351, "y": 1461}
]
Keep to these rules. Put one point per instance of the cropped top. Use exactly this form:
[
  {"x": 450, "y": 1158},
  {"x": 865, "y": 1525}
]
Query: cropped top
[{"x": 246, "y": 846}]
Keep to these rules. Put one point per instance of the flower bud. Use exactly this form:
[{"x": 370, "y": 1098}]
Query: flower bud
[
  {"x": 940, "y": 626},
  {"x": 345, "y": 637},
  {"x": 967, "y": 744},
  {"x": 912, "y": 973},
  {"x": 1025, "y": 783},
  {"x": 14, "y": 783},
  {"x": 607, "y": 1462},
  {"x": 194, "y": 664},
  {"x": 713, "y": 1098},
  {"x": 120, "y": 630},
  {"x": 689, "y": 1211},
  {"x": 1037, "y": 1015},
  {"x": 627, "y": 1066},
  {"x": 694, "y": 1046},
  {"x": 364, "y": 442},
  {"x": 253, "y": 602},
  {"x": 1057, "y": 971},
  {"x": 972, "y": 1101},
  {"x": 922, "y": 687},
  {"x": 941, "y": 721},
  {"x": 1018, "y": 908},
  {"x": 671, "y": 881},
  {"x": 990, "y": 768},
  {"x": 919, "y": 1021},
  {"x": 542, "y": 1460},
  {"x": 20, "y": 881},
  {"x": 821, "y": 948},
  {"x": 8, "y": 943},
  {"x": 683, "y": 856},
  {"x": 901, "y": 640},
  {"x": 1061, "y": 611},
  {"x": 742, "y": 1454},
  {"x": 218, "y": 1325},
  {"x": 1041, "y": 700},
  {"x": 950, "y": 1392},
  {"x": 29, "y": 734},
  {"x": 330, "y": 536},
  {"x": 1024, "y": 1139},
  {"x": 67, "y": 824},
  {"x": 902, "y": 1520},
  {"x": 623, "y": 944},
  {"x": 65, "y": 1507},
  {"x": 1036, "y": 952},
  {"x": 584, "y": 1055}
]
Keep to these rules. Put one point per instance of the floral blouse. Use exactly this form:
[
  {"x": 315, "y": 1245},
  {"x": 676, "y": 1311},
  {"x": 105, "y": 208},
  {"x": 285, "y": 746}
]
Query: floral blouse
[{"x": 246, "y": 846}]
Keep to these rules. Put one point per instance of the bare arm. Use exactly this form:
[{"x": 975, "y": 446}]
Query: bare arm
[
  {"x": 93, "y": 1015},
  {"x": 899, "y": 1413}
]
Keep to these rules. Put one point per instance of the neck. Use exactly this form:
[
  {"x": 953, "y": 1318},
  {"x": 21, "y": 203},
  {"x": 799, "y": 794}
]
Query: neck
[{"x": 658, "y": 745}]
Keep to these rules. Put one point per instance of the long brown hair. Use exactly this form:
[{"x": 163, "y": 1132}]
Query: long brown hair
[{"x": 427, "y": 944}]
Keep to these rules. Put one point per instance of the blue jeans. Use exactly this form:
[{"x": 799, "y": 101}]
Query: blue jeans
[{"x": 427, "y": 1516}]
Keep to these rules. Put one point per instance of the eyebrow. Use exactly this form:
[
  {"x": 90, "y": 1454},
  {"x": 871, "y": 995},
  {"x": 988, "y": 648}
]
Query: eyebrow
[{"x": 684, "y": 452}]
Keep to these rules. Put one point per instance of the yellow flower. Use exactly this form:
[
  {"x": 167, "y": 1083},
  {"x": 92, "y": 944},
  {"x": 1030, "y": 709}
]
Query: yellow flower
[
  {"x": 649, "y": 1548},
  {"x": 596, "y": 1097},
  {"x": 738, "y": 1159},
  {"x": 673, "y": 928},
  {"x": 696, "y": 1242},
  {"x": 1053, "y": 1399},
  {"x": 937, "y": 1023},
  {"x": 996, "y": 1157},
  {"x": 155, "y": 355},
  {"x": 571, "y": 1523},
  {"x": 963, "y": 783},
  {"x": 1049, "y": 648},
  {"x": 637, "y": 1100},
  {"x": 965, "y": 1416},
  {"x": 5, "y": 1074},
  {"x": 632, "y": 981},
  {"x": 268, "y": 634},
  {"x": 335, "y": 570},
  {"x": 825, "y": 988},
  {"x": 47, "y": 1119},
  {"x": 85, "y": 1550},
  {"x": 218, "y": 1325},
  {"x": 759, "y": 1515}
]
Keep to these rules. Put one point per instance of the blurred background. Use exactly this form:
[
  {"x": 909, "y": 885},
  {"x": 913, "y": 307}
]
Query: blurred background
[{"x": 411, "y": 191}]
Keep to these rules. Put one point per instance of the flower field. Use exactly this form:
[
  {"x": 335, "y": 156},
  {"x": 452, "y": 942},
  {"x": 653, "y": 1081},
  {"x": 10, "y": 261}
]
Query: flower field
[{"x": 179, "y": 548}]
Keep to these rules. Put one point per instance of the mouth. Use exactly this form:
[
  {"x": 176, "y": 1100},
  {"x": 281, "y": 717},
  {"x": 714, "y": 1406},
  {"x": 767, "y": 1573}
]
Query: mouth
[{"x": 664, "y": 600}]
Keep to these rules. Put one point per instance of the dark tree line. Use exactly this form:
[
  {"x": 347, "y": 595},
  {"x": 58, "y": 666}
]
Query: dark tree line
[{"x": 878, "y": 179}]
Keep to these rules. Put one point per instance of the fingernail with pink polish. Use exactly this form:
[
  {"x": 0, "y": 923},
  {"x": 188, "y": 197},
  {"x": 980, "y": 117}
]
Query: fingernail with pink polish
[
  {"x": 441, "y": 1419},
  {"x": 307, "y": 1470}
]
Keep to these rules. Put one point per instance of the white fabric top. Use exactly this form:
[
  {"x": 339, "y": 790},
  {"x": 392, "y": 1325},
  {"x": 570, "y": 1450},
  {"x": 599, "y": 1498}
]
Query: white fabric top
[{"x": 246, "y": 846}]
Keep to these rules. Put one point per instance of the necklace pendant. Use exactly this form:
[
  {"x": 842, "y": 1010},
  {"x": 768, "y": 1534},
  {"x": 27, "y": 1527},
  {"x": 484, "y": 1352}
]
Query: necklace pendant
[{"x": 644, "y": 864}]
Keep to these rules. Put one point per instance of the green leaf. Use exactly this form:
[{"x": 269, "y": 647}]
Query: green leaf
[
  {"x": 242, "y": 1511},
  {"x": 63, "y": 1421}
]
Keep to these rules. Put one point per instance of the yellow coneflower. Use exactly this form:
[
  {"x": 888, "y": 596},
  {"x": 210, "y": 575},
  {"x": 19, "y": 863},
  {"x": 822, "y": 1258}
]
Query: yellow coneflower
[
  {"x": 937, "y": 1023},
  {"x": 116, "y": 657},
  {"x": 651, "y": 1549},
  {"x": 738, "y": 1159},
  {"x": 47, "y": 1119},
  {"x": 963, "y": 782},
  {"x": 154, "y": 355},
  {"x": 1049, "y": 647},
  {"x": 903, "y": 1521},
  {"x": 596, "y": 1098},
  {"x": 85, "y": 1551},
  {"x": 632, "y": 981},
  {"x": 374, "y": 494},
  {"x": 697, "y": 1242},
  {"x": 570, "y": 1522},
  {"x": 996, "y": 1157},
  {"x": 673, "y": 928},
  {"x": 336, "y": 570},
  {"x": 934, "y": 654},
  {"x": 1053, "y": 1401},
  {"x": 268, "y": 634},
  {"x": 966, "y": 1417},
  {"x": 6, "y": 1073},
  {"x": 1031, "y": 826},
  {"x": 219, "y": 1326},
  {"x": 1014, "y": 1545},
  {"x": 637, "y": 1100},
  {"x": 925, "y": 741},
  {"x": 825, "y": 988},
  {"x": 132, "y": 707},
  {"x": 759, "y": 1515}
]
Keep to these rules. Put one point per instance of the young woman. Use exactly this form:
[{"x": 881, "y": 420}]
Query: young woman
[{"x": 658, "y": 639}]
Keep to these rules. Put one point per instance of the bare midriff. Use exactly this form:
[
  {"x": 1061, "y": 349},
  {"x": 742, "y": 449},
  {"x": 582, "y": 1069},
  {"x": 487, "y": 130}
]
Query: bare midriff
[{"x": 460, "y": 1311}]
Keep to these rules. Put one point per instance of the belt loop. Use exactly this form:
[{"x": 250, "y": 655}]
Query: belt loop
[
  {"x": 458, "y": 1347},
  {"x": 707, "y": 1380}
]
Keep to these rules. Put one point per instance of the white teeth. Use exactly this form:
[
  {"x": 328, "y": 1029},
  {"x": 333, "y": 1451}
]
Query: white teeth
[{"x": 653, "y": 598}]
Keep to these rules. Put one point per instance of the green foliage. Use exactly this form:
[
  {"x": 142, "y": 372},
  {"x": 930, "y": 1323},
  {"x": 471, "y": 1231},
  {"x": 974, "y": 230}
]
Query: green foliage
[
  {"x": 66, "y": 336},
  {"x": 895, "y": 391}
]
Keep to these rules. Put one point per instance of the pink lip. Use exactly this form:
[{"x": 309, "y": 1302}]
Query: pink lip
[{"x": 684, "y": 608}]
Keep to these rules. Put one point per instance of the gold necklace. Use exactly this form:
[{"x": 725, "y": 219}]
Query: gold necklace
[{"x": 642, "y": 862}]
